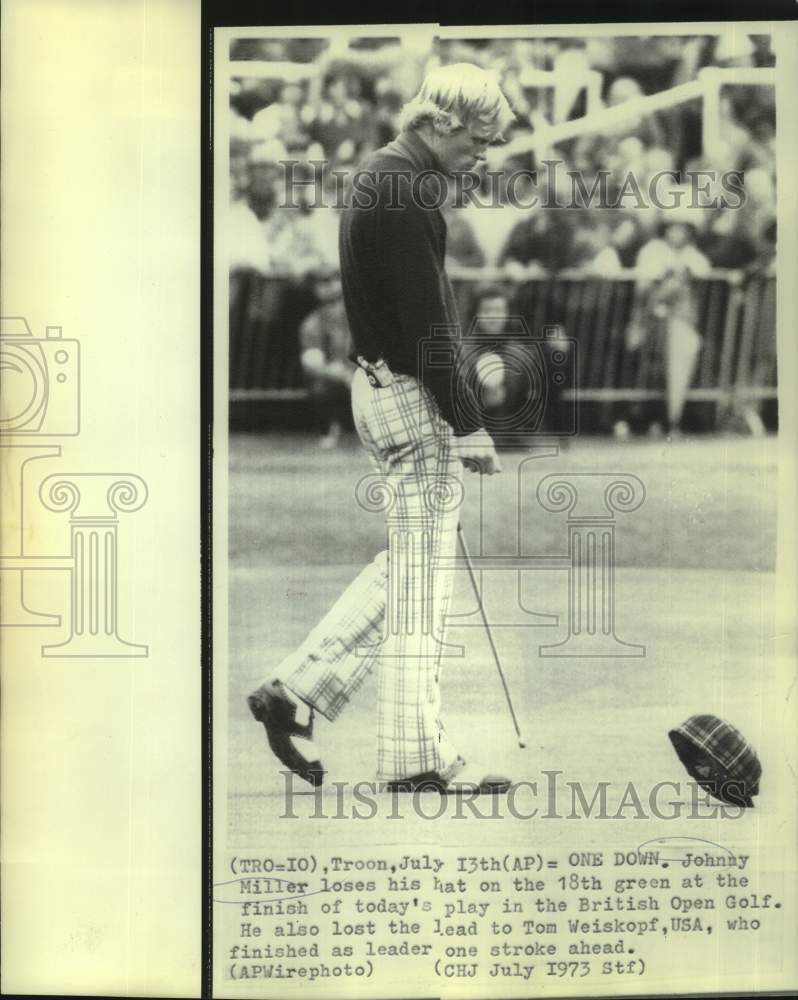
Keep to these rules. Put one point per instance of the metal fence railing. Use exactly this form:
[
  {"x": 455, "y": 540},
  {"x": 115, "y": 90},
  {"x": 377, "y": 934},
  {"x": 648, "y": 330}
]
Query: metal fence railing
[{"x": 735, "y": 315}]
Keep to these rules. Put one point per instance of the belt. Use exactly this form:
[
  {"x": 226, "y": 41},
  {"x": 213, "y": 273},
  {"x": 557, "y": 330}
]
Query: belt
[{"x": 379, "y": 374}]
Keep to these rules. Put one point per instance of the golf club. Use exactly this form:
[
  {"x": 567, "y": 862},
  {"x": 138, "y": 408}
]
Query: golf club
[{"x": 470, "y": 567}]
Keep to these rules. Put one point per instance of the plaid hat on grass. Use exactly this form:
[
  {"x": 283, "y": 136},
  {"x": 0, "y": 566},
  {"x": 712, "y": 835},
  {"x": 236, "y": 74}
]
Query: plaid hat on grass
[{"x": 719, "y": 758}]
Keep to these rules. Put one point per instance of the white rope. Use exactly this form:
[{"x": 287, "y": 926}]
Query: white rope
[{"x": 711, "y": 78}]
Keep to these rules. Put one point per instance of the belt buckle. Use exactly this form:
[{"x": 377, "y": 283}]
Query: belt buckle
[{"x": 379, "y": 374}]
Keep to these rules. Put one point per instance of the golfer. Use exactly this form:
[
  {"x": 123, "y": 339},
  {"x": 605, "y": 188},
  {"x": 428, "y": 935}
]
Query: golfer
[{"x": 408, "y": 407}]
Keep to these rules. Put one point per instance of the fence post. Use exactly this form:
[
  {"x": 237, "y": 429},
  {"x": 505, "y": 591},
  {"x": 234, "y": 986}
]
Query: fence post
[{"x": 730, "y": 327}]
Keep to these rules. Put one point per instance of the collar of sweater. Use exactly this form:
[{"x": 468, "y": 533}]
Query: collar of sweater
[{"x": 409, "y": 145}]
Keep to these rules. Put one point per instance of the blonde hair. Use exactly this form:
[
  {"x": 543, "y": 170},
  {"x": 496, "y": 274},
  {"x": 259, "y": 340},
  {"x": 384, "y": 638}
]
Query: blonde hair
[{"x": 458, "y": 96}]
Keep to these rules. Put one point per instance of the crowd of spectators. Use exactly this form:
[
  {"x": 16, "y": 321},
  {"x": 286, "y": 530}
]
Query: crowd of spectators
[
  {"x": 337, "y": 107},
  {"x": 329, "y": 102}
]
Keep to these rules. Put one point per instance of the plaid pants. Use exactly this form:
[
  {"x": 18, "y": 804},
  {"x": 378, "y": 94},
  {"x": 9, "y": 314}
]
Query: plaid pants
[{"x": 394, "y": 612}]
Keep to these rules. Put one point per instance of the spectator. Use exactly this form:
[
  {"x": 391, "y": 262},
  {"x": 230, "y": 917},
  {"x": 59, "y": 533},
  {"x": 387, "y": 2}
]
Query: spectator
[
  {"x": 304, "y": 238},
  {"x": 342, "y": 122},
  {"x": 512, "y": 375},
  {"x": 324, "y": 347},
  {"x": 673, "y": 253},
  {"x": 599, "y": 255},
  {"x": 656, "y": 160},
  {"x": 263, "y": 173},
  {"x": 760, "y": 206},
  {"x": 253, "y": 200},
  {"x": 627, "y": 237},
  {"x": 734, "y": 50},
  {"x": 600, "y": 149},
  {"x": 491, "y": 227},
  {"x": 491, "y": 311},
  {"x": 546, "y": 237},
  {"x": 727, "y": 245},
  {"x": 665, "y": 309},
  {"x": 388, "y": 106},
  {"x": 287, "y": 119},
  {"x": 248, "y": 245},
  {"x": 626, "y": 156},
  {"x": 766, "y": 248},
  {"x": 462, "y": 246},
  {"x": 491, "y": 314}
]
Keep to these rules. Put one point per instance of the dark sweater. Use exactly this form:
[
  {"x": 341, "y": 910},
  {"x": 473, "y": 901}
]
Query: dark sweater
[{"x": 392, "y": 271}]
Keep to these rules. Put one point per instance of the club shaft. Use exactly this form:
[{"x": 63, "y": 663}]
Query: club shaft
[{"x": 469, "y": 565}]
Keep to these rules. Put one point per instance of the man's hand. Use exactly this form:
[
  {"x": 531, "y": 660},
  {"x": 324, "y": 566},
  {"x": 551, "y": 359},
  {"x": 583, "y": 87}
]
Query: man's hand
[{"x": 477, "y": 453}]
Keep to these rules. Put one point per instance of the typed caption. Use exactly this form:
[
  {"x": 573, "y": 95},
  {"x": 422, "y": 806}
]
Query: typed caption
[{"x": 512, "y": 917}]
